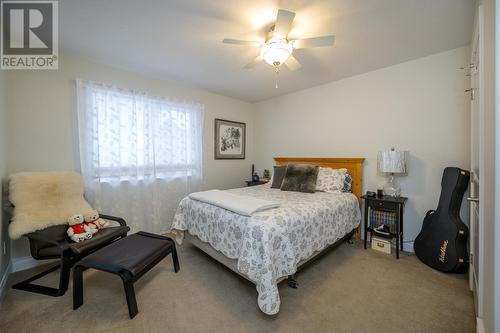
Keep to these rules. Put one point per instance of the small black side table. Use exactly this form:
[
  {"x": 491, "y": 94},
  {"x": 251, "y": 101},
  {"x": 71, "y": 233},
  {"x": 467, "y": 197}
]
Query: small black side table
[
  {"x": 252, "y": 183},
  {"x": 388, "y": 204}
]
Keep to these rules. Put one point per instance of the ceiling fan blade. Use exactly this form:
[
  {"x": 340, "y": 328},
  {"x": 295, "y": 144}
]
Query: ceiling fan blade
[
  {"x": 314, "y": 42},
  {"x": 240, "y": 42},
  {"x": 292, "y": 63},
  {"x": 253, "y": 62},
  {"x": 283, "y": 22}
]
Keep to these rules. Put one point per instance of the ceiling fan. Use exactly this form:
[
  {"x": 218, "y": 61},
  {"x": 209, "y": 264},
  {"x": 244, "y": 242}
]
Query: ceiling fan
[{"x": 277, "y": 48}]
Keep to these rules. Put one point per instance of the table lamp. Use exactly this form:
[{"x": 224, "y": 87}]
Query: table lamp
[{"x": 392, "y": 162}]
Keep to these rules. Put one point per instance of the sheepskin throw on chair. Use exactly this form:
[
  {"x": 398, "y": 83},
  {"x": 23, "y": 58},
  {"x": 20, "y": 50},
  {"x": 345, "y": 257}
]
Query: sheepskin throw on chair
[{"x": 44, "y": 199}]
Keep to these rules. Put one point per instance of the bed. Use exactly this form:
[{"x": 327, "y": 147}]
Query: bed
[{"x": 272, "y": 245}]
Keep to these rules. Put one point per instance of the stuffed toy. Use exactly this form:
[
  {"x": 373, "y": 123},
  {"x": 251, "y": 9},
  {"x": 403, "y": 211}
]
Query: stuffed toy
[
  {"x": 78, "y": 231},
  {"x": 94, "y": 222}
]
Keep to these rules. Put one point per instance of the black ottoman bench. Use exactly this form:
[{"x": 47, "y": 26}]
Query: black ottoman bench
[{"x": 130, "y": 258}]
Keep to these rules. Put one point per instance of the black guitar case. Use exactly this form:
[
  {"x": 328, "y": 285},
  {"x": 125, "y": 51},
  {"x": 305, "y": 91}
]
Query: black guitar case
[{"x": 442, "y": 242}]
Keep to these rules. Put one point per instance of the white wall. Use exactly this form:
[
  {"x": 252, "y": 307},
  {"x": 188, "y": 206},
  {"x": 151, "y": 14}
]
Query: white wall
[
  {"x": 4, "y": 239},
  {"x": 42, "y": 120},
  {"x": 418, "y": 106}
]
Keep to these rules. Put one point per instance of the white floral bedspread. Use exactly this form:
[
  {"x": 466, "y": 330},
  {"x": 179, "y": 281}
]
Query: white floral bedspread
[{"x": 270, "y": 244}]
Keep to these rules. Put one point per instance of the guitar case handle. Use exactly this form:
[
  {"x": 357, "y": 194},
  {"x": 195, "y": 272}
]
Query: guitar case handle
[{"x": 429, "y": 212}]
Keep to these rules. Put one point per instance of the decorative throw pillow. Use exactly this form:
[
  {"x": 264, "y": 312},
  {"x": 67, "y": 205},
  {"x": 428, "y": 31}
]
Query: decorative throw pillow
[
  {"x": 331, "y": 180},
  {"x": 279, "y": 174},
  {"x": 300, "y": 178},
  {"x": 347, "y": 183}
]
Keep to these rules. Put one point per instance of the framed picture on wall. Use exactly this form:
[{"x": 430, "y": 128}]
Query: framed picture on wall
[{"x": 230, "y": 137}]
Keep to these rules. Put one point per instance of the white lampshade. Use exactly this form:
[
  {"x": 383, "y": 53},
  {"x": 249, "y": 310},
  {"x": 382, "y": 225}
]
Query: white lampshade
[{"x": 392, "y": 161}]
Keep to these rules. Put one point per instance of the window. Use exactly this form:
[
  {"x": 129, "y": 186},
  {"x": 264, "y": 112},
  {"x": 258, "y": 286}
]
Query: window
[
  {"x": 139, "y": 155},
  {"x": 125, "y": 135}
]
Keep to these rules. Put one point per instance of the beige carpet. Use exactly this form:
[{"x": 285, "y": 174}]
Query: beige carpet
[{"x": 348, "y": 290}]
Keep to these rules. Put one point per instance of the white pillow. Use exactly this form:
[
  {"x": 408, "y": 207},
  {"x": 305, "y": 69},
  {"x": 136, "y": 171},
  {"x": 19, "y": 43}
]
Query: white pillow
[{"x": 331, "y": 180}]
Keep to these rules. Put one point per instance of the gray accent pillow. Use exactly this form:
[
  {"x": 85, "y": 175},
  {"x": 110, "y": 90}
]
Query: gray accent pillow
[
  {"x": 300, "y": 178},
  {"x": 347, "y": 183},
  {"x": 279, "y": 174}
]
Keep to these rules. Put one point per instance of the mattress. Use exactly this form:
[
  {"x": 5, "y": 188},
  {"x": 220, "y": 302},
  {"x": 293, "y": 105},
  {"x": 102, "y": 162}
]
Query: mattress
[{"x": 269, "y": 245}]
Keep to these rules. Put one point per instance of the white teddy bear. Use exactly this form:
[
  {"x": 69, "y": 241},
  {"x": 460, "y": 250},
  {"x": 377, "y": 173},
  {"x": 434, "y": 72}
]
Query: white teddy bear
[
  {"x": 78, "y": 230},
  {"x": 94, "y": 222}
]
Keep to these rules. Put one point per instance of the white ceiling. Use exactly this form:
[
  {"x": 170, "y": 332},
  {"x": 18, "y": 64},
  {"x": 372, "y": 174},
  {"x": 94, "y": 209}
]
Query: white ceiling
[{"x": 181, "y": 40}]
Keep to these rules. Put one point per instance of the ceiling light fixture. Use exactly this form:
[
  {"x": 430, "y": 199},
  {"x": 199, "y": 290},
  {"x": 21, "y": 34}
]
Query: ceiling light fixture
[{"x": 276, "y": 51}]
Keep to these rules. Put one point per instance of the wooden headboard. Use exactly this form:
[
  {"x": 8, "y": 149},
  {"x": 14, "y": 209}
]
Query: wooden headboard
[{"x": 354, "y": 165}]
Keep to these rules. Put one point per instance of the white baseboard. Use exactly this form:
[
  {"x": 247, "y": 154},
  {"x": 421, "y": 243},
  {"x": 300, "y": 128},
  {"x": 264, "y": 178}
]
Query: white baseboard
[
  {"x": 480, "y": 325},
  {"x": 5, "y": 278},
  {"x": 408, "y": 247},
  {"x": 24, "y": 263}
]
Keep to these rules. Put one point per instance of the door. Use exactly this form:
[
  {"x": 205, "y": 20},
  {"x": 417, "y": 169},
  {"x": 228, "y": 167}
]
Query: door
[{"x": 475, "y": 70}]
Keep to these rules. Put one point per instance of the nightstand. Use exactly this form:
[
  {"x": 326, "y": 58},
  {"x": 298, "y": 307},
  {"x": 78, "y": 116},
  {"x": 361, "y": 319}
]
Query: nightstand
[
  {"x": 385, "y": 204},
  {"x": 252, "y": 183}
]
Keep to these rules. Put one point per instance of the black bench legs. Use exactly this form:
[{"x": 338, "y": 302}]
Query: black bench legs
[
  {"x": 126, "y": 276},
  {"x": 175, "y": 259},
  {"x": 128, "y": 285}
]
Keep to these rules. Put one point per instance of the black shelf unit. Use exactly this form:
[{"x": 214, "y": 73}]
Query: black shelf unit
[{"x": 388, "y": 204}]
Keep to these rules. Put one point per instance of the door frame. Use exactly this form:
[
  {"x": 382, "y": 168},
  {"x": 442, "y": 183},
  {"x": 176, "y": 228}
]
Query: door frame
[{"x": 478, "y": 45}]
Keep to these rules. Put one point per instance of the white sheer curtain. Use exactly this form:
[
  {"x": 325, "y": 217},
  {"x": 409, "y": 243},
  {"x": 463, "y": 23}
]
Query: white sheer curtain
[{"x": 140, "y": 155}]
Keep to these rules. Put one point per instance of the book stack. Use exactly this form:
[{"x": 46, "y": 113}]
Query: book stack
[{"x": 380, "y": 217}]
